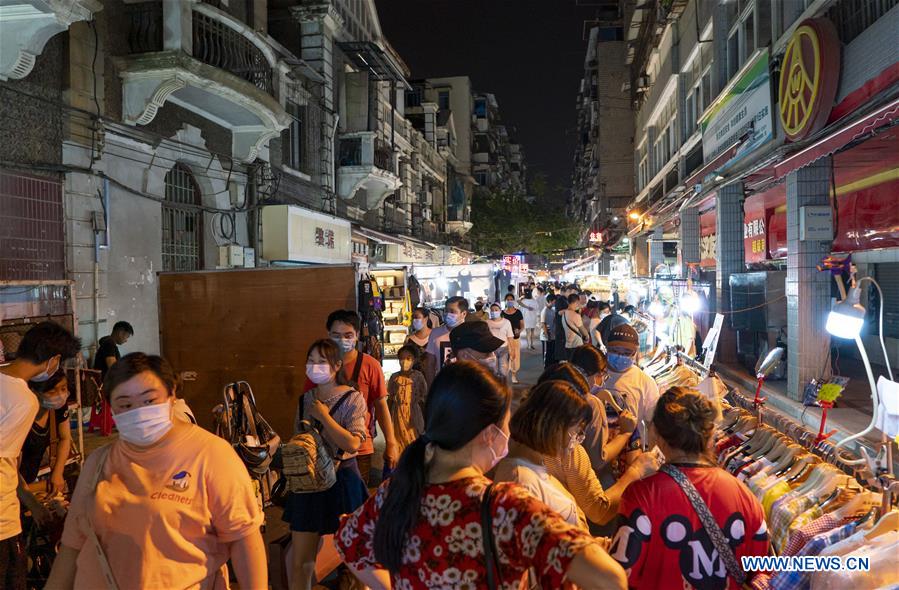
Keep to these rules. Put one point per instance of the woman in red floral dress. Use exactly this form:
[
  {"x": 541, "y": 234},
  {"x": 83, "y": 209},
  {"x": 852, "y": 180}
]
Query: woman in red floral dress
[{"x": 422, "y": 528}]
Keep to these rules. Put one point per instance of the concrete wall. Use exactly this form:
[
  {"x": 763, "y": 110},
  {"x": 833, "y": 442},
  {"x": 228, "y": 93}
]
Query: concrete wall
[{"x": 616, "y": 129}]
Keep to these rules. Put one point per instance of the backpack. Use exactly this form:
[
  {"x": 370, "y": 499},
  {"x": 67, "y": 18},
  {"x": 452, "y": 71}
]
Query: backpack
[{"x": 307, "y": 462}]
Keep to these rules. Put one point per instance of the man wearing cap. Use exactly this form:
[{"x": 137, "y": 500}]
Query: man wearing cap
[
  {"x": 456, "y": 311},
  {"x": 627, "y": 382},
  {"x": 473, "y": 341}
]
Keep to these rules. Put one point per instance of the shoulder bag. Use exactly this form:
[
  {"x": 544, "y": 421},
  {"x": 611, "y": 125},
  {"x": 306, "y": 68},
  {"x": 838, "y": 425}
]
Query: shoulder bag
[
  {"x": 725, "y": 552},
  {"x": 491, "y": 555}
]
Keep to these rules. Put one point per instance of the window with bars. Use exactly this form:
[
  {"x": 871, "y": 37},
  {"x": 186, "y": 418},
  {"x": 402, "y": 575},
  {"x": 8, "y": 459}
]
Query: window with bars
[{"x": 182, "y": 222}]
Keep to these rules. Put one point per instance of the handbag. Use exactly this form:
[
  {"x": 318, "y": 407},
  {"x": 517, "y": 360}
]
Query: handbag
[
  {"x": 725, "y": 552},
  {"x": 491, "y": 555}
]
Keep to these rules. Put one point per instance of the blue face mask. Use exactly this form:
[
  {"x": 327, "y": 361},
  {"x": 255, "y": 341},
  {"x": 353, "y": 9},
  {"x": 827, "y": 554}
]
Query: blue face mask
[
  {"x": 510, "y": 304},
  {"x": 619, "y": 362}
]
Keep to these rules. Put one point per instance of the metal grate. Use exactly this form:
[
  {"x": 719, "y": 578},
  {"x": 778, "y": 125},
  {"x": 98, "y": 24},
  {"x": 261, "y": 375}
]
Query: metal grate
[
  {"x": 145, "y": 27},
  {"x": 217, "y": 44},
  {"x": 32, "y": 241},
  {"x": 851, "y": 17},
  {"x": 182, "y": 222}
]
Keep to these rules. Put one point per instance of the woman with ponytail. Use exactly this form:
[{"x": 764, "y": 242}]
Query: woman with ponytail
[
  {"x": 422, "y": 528},
  {"x": 662, "y": 541}
]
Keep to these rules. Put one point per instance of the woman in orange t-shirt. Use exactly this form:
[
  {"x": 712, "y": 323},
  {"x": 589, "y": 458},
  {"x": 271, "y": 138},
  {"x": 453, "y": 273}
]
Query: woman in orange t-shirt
[{"x": 164, "y": 506}]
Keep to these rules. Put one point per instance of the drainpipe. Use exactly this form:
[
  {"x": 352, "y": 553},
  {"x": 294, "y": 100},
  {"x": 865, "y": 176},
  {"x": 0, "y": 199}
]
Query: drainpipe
[
  {"x": 334, "y": 163},
  {"x": 100, "y": 224}
]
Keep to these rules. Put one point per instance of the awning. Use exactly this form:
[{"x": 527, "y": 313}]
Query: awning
[
  {"x": 367, "y": 56},
  {"x": 716, "y": 163},
  {"x": 837, "y": 139},
  {"x": 377, "y": 236},
  {"x": 582, "y": 262}
]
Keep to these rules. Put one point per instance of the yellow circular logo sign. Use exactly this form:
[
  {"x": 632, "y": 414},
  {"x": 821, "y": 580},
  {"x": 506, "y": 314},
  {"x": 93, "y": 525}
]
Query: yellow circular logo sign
[{"x": 809, "y": 75}]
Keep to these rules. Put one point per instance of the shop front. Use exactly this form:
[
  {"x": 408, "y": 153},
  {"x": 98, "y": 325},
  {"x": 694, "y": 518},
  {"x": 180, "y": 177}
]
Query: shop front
[{"x": 296, "y": 236}]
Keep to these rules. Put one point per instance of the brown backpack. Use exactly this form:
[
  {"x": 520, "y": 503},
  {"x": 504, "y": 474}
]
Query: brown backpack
[{"x": 308, "y": 465}]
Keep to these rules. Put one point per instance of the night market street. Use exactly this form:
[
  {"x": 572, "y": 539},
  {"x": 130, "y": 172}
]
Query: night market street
[{"x": 449, "y": 294}]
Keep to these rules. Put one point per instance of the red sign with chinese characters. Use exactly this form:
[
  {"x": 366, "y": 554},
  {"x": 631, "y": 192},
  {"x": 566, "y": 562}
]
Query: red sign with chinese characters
[{"x": 324, "y": 238}]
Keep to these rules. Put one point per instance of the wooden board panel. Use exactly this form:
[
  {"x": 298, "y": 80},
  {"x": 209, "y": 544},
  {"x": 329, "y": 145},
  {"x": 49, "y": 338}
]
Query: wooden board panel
[{"x": 250, "y": 325}]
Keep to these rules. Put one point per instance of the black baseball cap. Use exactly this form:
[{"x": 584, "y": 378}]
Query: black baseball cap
[{"x": 474, "y": 335}]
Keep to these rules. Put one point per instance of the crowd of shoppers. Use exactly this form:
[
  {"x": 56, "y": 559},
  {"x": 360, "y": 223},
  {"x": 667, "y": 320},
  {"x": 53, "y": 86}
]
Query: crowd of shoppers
[{"x": 482, "y": 488}]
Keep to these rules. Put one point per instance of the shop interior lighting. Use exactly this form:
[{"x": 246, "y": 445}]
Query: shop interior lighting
[
  {"x": 657, "y": 309},
  {"x": 634, "y": 216},
  {"x": 690, "y": 303}
]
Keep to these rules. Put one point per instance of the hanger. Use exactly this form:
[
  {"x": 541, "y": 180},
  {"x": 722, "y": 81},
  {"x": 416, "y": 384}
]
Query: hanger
[
  {"x": 855, "y": 505},
  {"x": 787, "y": 461},
  {"x": 888, "y": 522},
  {"x": 801, "y": 467}
]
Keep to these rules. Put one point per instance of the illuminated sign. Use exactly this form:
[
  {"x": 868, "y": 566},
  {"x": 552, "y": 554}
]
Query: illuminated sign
[
  {"x": 596, "y": 236},
  {"x": 808, "y": 78}
]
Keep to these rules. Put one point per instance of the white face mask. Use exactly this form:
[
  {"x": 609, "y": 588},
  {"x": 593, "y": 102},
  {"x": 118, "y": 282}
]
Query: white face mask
[
  {"x": 145, "y": 425},
  {"x": 417, "y": 324},
  {"x": 55, "y": 401},
  {"x": 345, "y": 344},
  {"x": 453, "y": 319},
  {"x": 45, "y": 376},
  {"x": 498, "y": 447},
  {"x": 318, "y": 373}
]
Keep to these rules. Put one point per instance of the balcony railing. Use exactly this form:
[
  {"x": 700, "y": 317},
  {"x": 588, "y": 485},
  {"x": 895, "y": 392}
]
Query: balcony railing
[
  {"x": 214, "y": 43},
  {"x": 145, "y": 27},
  {"x": 364, "y": 150},
  {"x": 218, "y": 45}
]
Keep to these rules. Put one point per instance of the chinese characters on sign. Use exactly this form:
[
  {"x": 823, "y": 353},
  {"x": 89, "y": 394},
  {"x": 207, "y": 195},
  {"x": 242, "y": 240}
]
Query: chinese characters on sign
[
  {"x": 755, "y": 242},
  {"x": 324, "y": 238},
  {"x": 707, "y": 246},
  {"x": 595, "y": 237},
  {"x": 512, "y": 263}
]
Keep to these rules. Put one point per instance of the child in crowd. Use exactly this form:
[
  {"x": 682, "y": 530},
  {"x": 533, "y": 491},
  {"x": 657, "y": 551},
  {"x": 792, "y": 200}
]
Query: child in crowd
[{"x": 406, "y": 394}]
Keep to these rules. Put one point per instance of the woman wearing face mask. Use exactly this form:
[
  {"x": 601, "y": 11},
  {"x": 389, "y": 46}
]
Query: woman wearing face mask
[
  {"x": 550, "y": 422},
  {"x": 164, "y": 506},
  {"x": 340, "y": 410},
  {"x": 574, "y": 469},
  {"x": 502, "y": 329},
  {"x": 53, "y": 395},
  {"x": 531, "y": 313},
  {"x": 406, "y": 393},
  {"x": 516, "y": 318},
  {"x": 422, "y": 528},
  {"x": 421, "y": 329}
]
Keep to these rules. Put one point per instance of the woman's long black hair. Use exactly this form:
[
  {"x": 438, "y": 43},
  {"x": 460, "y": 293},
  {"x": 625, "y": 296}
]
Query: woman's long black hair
[{"x": 464, "y": 399}]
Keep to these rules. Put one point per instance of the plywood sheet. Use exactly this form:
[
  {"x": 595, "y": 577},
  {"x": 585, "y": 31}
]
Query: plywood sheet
[{"x": 250, "y": 325}]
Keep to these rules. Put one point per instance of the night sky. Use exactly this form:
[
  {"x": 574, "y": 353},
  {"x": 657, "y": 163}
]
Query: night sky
[{"x": 529, "y": 53}]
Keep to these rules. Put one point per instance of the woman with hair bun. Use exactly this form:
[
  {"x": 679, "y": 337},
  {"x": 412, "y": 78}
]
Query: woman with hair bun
[
  {"x": 662, "y": 541},
  {"x": 422, "y": 528}
]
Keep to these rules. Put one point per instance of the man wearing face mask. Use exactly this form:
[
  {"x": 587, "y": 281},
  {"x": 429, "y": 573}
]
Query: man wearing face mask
[
  {"x": 472, "y": 341},
  {"x": 456, "y": 311},
  {"x": 363, "y": 373},
  {"x": 628, "y": 383},
  {"x": 40, "y": 355},
  {"x": 50, "y": 425}
]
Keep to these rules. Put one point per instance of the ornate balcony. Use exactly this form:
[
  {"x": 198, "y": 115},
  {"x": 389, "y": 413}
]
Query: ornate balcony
[
  {"x": 202, "y": 59},
  {"x": 27, "y": 25},
  {"x": 364, "y": 163}
]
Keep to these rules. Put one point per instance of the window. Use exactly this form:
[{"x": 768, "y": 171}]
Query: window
[
  {"x": 851, "y": 17},
  {"x": 182, "y": 222},
  {"x": 293, "y": 137},
  {"x": 443, "y": 100},
  {"x": 741, "y": 42},
  {"x": 480, "y": 107}
]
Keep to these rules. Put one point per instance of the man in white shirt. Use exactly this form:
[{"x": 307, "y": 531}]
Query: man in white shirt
[
  {"x": 40, "y": 355},
  {"x": 456, "y": 311},
  {"x": 576, "y": 333},
  {"x": 628, "y": 383}
]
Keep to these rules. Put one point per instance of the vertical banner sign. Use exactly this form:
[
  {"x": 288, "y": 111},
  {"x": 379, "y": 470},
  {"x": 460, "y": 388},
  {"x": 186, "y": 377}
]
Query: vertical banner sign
[{"x": 512, "y": 263}]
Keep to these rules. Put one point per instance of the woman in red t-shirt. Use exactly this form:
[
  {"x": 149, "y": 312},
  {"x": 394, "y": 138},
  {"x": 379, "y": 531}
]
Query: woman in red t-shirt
[
  {"x": 661, "y": 541},
  {"x": 422, "y": 529}
]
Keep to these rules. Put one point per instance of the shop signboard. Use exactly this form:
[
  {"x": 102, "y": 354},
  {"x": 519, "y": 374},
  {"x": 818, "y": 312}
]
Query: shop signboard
[
  {"x": 411, "y": 252},
  {"x": 300, "y": 235},
  {"x": 755, "y": 246},
  {"x": 512, "y": 263},
  {"x": 809, "y": 75},
  {"x": 743, "y": 108}
]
